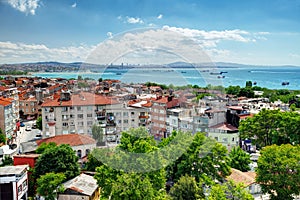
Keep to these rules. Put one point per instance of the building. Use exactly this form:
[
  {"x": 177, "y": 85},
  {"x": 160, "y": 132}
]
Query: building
[
  {"x": 159, "y": 115},
  {"x": 7, "y": 118},
  {"x": 26, "y": 159},
  {"x": 81, "y": 144},
  {"x": 29, "y": 108},
  {"x": 14, "y": 182},
  {"x": 82, "y": 187},
  {"x": 77, "y": 113}
]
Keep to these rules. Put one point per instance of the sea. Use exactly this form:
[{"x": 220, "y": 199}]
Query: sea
[{"x": 269, "y": 77}]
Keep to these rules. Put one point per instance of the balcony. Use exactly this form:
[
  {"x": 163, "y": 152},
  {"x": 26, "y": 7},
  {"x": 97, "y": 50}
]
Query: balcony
[{"x": 101, "y": 117}]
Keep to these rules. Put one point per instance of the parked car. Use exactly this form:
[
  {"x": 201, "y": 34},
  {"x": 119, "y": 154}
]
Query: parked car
[
  {"x": 22, "y": 124},
  {"x": 28, "y": 128},
  {"x": 34, "y": 126},
  {"x": 38, "y": 136}
]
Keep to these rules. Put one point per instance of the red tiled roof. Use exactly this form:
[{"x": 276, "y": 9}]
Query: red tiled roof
[
  {"x": 225, "y": 127},
  {"x": 5, "y": 101},
  {"x": 235, "y": 107},
  {"x": 71, "y": 139},
  {"x": 148, "y": 104},
  {"x": 82, "y": 99}
]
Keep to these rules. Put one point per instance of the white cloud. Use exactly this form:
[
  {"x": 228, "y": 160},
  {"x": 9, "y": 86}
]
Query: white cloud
[
  {"x": 109, "y": 34},
  {"x": 160, "y": 16},
  {"x": 132, "y": 20},
  {"x": 20, "y": 52},
  {"x": 25, "y": 6},
  {"x": 74, "y": 5}
]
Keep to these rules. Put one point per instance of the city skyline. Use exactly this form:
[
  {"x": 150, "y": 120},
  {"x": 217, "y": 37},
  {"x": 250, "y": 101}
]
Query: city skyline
[{"x": 247, "y": 32}]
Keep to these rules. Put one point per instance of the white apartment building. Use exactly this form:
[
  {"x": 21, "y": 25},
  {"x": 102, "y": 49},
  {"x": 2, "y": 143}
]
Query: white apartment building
[
  {"x": 77, "y": 113},
  {"x": 7, "y": 117}
]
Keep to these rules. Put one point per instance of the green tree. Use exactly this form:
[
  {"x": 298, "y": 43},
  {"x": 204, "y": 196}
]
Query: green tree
[
  {"x": 229, "y": 190},
  {"x": 57, "y": 159},
  {"x": 39, "y": 123},
  {"x": 239, "y": 159},
  {"x": 246, "y": 92},
  {"x": 203, "y": 158},
  {"x": 42, "y": 148},
  {"x": 97, "y": 133},
  {"x": 271, "y": 127},
  {"x": 50, "y": 184},
  {"x": 132, "y": 186},
  {"x": 2, "y": 137},
  {"x": 79, "y": 78},
  {"x": 135, "y": 155},
  {"x": 234, "y": 90},
  {"x": 278, "y": 171},
  {"x": 93, "y": 162},
  {"x": 186, "y": 188},
  {"x": 7, "y": 160},
  {"x": 248, "y": 83}
]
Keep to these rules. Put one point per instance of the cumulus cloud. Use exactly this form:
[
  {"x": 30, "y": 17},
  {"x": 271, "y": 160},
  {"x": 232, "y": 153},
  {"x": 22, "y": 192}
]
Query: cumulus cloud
[
  {"x": 25, "y": 6},
  {"x": 20, "y": 52},
  {"x": 160, "y": 16},
  {"x": 109, "y": 34},
  {"x": 132, "y": 20},
  {"x": 74, "y": 5}
]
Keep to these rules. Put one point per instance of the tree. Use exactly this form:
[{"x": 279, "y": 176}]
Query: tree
[
  {"x": 97, "y": 133},
  {"x": 239, "y": 159},
  {"x": 246, "y": 92},
  {"x": 278, "y": 171},
  {"x": 132, "y": 186},
  {"x": 271, "y": 127},
  {"x": 2, "y": 137},
  {"x": 134, "y": 158},
  {"x": 234, "y": 90},
  {"x": 57, "y": 159},
  {"x": 44, "y": 146},
  {"x": 186, "y": 188},
  {"x": 229, "y": 190},
  {"x": 203, "y": 158},
  {"x": 39, "y": 123},
  {"x": 7, "y": 160},
  {"x": 93, "y": 162},
  {"x": 49, "y": 184},
  {"x": 79, "y": 78},
  {"x": 248, "y": 83}
]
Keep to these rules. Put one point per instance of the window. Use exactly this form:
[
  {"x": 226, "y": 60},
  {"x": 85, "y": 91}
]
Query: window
[
  {"x": 233, "y": 139},
  {"x": 65, "y": 124},
  {"x": 24, "y": 185},
  {"x": 80, "y": 123},
  {"x": 32, "y": 103},
  {"x": 79, "y": 153},
  {"x": 79, "y": 108},
  {"x": 216, "y": 138},
  {"x": 132, "y": 120},
  {"x": 72, "y": 116},
  {"x": 132, "y": 113},
  {"x": 90, "y": 108},
  {"x": 224, "y": 139},
  {"x": 64, "y": 109},
  {"x": 162, "y": 112},
  {"x": 89, "y": 115},
  {"x": 125, "y": 114},
  {"x": 89, "y": 123},
  {"x": 26, "y": 104},
  {"x": 125, "y": 121},
  {"x": 80, "y": 116}
]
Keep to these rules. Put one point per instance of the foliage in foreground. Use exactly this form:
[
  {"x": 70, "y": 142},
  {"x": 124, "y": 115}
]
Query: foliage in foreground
[
  {"x": 50, "y": 184},
  {"x": 239, "y": 159},
  {"x": 278, "y": 171}
]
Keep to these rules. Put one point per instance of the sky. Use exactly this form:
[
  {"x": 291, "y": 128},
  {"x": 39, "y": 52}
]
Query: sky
[{"x": 259, "y": 32}]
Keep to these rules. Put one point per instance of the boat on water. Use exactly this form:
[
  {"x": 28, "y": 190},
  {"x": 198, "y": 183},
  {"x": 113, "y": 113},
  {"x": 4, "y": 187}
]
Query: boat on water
[
  {"x": 285, "y": 83},
  {"x": 214, "y": 73},
  {"x": 183, "y": 72},
  {"x": 254, "y": 83},
  {"x": 223, "y": 72},
  {"x": 221, "y": 76},
  {"x": 118, "y": 73}
]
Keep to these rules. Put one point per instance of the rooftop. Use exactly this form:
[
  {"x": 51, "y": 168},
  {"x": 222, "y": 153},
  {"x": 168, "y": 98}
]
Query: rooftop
[
  {"x": 71, "y": 139},
  {"x": 83, "y": 184},
  {"x": 12, "y": 170}
]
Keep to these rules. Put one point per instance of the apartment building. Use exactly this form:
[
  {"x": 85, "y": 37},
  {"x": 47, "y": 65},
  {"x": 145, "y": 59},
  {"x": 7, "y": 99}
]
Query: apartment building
[
  {"x": 77, "y": 113},
  {"x": 7, "y": 118},
  {"x": 159, "y": 115},
  {"x": 29, "y": 108}
]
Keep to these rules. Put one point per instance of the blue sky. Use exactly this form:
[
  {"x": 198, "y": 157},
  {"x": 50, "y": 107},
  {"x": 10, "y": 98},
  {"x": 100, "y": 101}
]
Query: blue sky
[{"x": 260, "y": 32}]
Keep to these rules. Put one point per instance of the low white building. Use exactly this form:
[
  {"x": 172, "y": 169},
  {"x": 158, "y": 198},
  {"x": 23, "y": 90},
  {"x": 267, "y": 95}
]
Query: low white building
[{"x": 14, "y": 182}]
